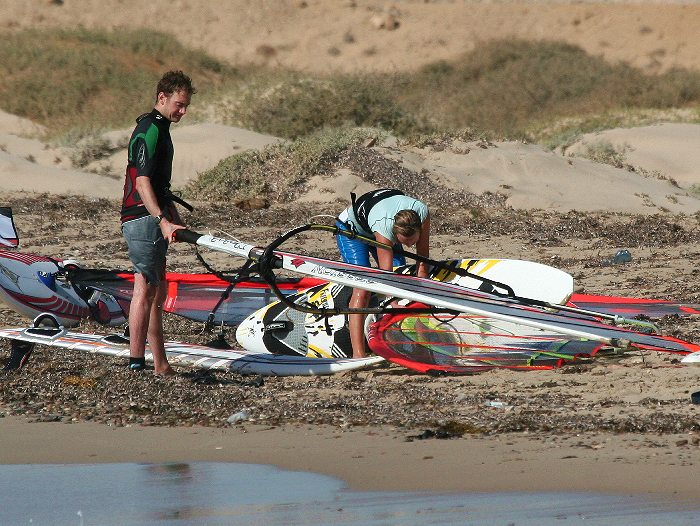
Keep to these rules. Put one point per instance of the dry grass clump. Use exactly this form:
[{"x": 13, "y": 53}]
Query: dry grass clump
[
  {"x": 290, "y": 105},
  {"x": 85, "y": 79},
  {"x": 277, "y": 172},
  {"x": 508, "y": 88},
  {"x": 605, "y": 152}
]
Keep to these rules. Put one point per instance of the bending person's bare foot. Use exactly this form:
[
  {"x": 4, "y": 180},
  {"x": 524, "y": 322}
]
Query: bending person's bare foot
[{"x": 168, "y": 371}]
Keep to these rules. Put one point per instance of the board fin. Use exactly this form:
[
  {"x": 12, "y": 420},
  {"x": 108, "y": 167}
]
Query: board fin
[
  {"x": 19, "y": 355},
  {"x": 219, "y": 342}
]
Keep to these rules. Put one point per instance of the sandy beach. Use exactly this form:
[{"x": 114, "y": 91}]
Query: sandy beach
[
  {"x": 621, "y": 425},
  {"x": 382, "y": 458}
]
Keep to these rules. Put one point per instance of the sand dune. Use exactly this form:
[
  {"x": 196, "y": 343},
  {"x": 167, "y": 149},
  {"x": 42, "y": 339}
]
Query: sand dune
[
  {"x": 670, "y": 149},
  {"x": 29, "y": 164},
  {"x": 531, "y": 177},
  {"x": 352, "y": 35}
]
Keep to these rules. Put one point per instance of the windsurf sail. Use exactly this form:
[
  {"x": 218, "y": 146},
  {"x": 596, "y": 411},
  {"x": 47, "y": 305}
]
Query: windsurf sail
[
  {"x": 32, "y": 284},
  {"x": 437, "y": 294},
  {"x": 466, "y": 344},
  {"x": 8, "y": 232},
  {"x": 198, "y": 297}
]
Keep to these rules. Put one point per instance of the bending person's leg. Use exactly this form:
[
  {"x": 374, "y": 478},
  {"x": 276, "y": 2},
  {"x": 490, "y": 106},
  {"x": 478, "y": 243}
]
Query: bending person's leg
[
  {"x": 356, "y": 322},
  {"x": 356, "y": 252}
]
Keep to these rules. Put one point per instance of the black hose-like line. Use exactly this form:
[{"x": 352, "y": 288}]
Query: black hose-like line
[
  {"x": 416, "y": 257},
  {"x": 268, "y": 260}
]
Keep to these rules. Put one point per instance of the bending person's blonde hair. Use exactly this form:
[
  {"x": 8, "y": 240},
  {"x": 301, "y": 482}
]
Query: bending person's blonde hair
[{"x": 406, "y": 223}]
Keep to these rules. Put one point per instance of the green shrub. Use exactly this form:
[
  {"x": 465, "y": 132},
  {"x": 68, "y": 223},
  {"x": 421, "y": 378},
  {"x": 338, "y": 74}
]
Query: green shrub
[
  {"x": 92, "y": 79},
  {"x": 506, "y": 85},
  {"x": 277, "y": 172},
  {"x": 290, "y": 106}
]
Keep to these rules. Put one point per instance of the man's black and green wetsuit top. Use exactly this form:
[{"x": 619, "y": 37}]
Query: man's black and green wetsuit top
[{"x": 151, "y": 155}]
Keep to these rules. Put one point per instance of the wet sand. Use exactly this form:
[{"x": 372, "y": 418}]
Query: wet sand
[{"x": 381, "y": 459}]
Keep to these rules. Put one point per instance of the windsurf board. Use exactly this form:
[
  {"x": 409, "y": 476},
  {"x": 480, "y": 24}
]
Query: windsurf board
[
  {"x": 191, "y": 355},
  {"x": 8, "y": 232},
  {"x": 528, "y": 279},
  {"x": 278, "y": 328},
  {"x": 31, "y": 285}
]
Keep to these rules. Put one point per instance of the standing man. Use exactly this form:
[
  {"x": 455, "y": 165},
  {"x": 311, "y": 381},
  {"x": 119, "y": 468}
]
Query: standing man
[
  {"x": 149, "y": 217},
  {"x": 392, "y": 218}
]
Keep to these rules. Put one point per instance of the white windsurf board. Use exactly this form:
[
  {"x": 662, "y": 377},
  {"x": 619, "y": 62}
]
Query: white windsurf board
[
  {"x": 32, "y": 285},
  {"x": 692, "y": 359},
  {"x": 197, "y": 356},
  {"x": 279, "y": 329}
]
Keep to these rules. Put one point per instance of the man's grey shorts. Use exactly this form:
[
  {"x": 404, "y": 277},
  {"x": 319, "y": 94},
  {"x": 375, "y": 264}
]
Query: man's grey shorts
[{"x": 147, "y": 247}]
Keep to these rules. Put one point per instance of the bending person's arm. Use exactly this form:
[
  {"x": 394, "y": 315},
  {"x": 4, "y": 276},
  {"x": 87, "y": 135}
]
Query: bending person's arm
[
  {"x": 423, "y": 247},
  {"x": 385, "y": 257}
]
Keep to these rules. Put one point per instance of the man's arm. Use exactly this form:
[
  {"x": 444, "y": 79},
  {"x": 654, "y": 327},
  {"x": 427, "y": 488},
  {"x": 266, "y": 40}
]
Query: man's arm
[{"x": 148, "y": 197}]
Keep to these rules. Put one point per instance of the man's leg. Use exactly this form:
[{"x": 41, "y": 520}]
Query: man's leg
[
  {"x": 147, "y": 252},
  {"x": 139, "y": 313},
  {"x": 156, "y": 341}
]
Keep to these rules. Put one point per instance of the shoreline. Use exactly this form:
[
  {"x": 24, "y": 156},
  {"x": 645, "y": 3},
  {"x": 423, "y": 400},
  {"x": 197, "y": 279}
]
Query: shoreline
[{"x": 381, "y": 458}]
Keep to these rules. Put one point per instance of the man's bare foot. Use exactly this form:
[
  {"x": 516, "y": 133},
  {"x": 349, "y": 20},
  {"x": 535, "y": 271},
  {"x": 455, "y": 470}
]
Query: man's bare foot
[{"x": 168, "y": 371}]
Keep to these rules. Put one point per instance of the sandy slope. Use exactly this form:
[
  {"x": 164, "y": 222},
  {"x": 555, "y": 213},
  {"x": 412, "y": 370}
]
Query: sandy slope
[
  {"x": 529, "y": 175},
  {"x": 670, "y": 149},
  {"x": 26, "y": 163},
  {"x": 344, "y": 34}
]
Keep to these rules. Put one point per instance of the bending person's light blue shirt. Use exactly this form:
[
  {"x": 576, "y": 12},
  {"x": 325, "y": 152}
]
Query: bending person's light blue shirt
[{"x": 381, "y": 216}]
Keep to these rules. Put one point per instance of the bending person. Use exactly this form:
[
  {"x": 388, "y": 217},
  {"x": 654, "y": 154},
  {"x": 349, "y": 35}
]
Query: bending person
[
  {"x": 391, "y": 218},
  {"x": 149, "y": 217}
]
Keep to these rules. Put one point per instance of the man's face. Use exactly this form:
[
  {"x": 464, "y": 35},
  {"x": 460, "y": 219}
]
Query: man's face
[{"x": 175, "y": 106}]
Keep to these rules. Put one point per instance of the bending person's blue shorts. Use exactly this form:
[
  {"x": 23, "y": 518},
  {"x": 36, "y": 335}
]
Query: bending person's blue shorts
[
  {"x": 147, "y": 248},
  {"x": 356, "y": 252}
]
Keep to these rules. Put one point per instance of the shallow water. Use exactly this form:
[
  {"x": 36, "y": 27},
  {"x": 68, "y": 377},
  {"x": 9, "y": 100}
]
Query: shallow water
[{"x": 246, "y": 494}]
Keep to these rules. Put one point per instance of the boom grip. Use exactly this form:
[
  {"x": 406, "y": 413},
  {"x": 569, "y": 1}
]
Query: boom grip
[{"x": 186, "y": 236}]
